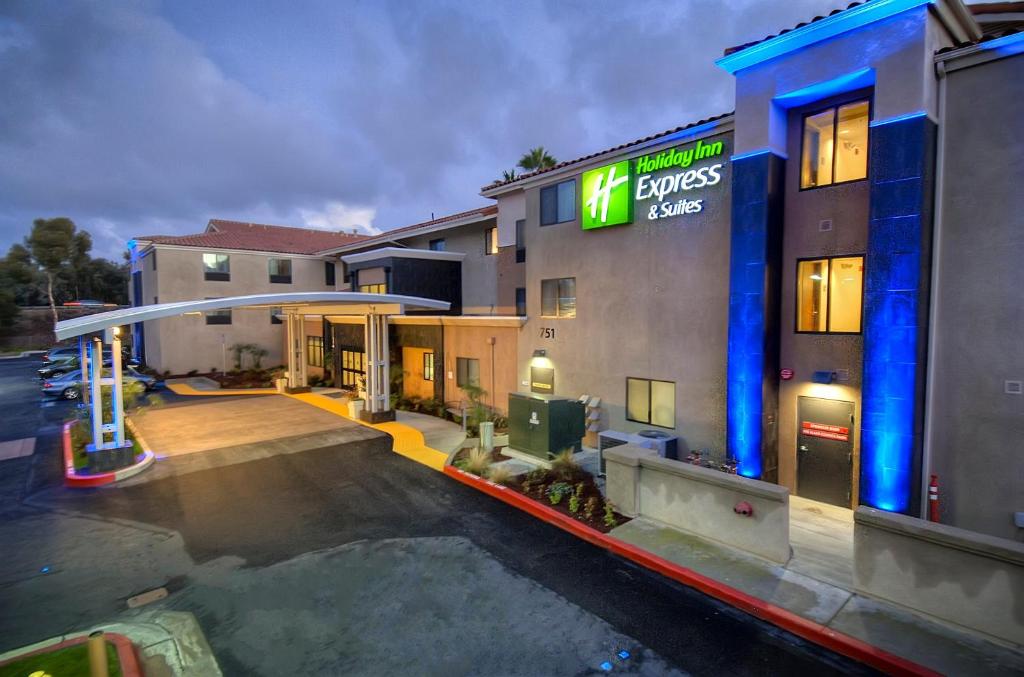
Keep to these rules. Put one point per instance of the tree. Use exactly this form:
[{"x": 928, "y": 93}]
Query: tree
[
  {"x": 15, "y": 270},
  {"x": 52, "y": 245},
  {"x": 536, "y": 158}
]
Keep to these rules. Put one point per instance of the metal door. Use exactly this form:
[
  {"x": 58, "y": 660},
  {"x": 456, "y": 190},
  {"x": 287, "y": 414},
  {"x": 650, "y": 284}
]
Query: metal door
[{"x": 824, "y": 444}]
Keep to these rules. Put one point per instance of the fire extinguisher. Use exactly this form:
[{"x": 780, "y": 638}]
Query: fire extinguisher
[{"x": 933, "y": 499}]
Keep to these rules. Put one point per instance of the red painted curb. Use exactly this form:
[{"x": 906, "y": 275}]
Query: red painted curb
[
  {"x": 75, "y": 480},
  {"x": 787, "y": 620},
  {"x": 125, "y": 652}
]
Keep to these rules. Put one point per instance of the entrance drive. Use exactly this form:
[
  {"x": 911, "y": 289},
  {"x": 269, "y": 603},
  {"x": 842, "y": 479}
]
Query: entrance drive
[{"x": 824, "y": 450}]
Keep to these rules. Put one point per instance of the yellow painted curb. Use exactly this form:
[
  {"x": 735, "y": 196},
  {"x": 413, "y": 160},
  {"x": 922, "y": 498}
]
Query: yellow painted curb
[
  {"x": 408, "y": 441},
  {"x": 183, "y": 389}
]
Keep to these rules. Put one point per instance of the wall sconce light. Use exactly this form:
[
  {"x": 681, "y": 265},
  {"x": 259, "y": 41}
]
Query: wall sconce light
[
  {"x": 540, "y": 352},
  {"x": 825, "y": 377}
]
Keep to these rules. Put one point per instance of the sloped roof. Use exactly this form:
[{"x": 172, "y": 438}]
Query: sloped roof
[
  {"x": 624, "y": 146},
  {"x": 408, "y": 231},
  {"x": 987, "y": 37},
  {"x": 740, "y": 48},
  {"x": 224, "y": 234}
]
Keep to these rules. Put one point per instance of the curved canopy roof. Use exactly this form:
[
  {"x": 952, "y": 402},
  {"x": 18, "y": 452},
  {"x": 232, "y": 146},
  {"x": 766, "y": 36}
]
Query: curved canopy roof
[{"x": 322, "y": 303}]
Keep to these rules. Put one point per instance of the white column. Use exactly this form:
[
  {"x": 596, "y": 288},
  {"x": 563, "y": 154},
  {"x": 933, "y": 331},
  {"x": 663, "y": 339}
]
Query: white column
[
  {"x": 371, "y": 362},
  {"x": 289, "y": 332},
  {"x": 95, "y": 374},
  {"x": 385, "y": 364},
  {"x": 300, "y": 349},
  {"x": 117, "y": 393},
  {"x": 83, "y": 362}
]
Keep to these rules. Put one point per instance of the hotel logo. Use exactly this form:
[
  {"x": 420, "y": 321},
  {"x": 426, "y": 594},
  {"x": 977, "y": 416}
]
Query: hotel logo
[{"x": 607, "y": 196}]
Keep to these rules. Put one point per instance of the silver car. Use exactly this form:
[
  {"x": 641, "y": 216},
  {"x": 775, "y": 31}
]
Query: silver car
[{"x": 69, "y": 386}]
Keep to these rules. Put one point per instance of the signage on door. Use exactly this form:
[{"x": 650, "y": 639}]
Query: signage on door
[{"x": 828, "y": 432}]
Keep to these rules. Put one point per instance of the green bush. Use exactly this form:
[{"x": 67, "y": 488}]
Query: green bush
[
  {"x": 609, "y": 516},
  {"x": 478, "y": 461},
  {"x": 558, "y": 491},
  {"x": 499, "y": 474}
]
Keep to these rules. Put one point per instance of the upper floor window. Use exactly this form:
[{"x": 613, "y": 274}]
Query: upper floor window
[
  {"x": 520, "y": 240},
  {"x": 281, "y": 271},
  {"x": 829, "y": 295},
  {"x": 558, "y": 297},
  {"x": 219, "y": 316},
  {"x": 835, "y": 145},
  {"x": 491, "y": 241},
  {"x": 437, "y": 245},
  {"x": 521, "y": 301},
  {"x": 558, "y": 203},
  {"x": 373, "y": 288},
  {"x": 217, "y": 267},
  {"x": 329, "y": 273}
]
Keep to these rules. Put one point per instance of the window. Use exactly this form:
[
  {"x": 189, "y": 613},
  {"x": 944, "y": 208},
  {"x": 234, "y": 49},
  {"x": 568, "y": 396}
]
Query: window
[
  {"x": 835, "y": 146},
  {"x": 156, "y": 300},
  {"x": 315, "y": 351},
  {"x": 217, "y": 267},
  {"x": 353, "y": 366},
  {"x": 281, "y": 271},
  {"x": 521, "y": 241},
  {"x": 558, "y": 297},
  {"x": 428, "y": 366},
  {"x": 274, "y": 312},
  {"x": 437, "y": 245},
  {"x": 467, "y": 371},
  {"x": 520, "y": 301},
  {"x": 558, "y": 203},
  {"x": 652, "y": 402},
  {"x": 222, "y": 316},
  {"x": 329, "y": 279},
  {"x": 829, "y": 295},
  {"x": 491, "y": 241},
  {"x": 153, "y": 259},
  {"x": 373, "y": 288}
]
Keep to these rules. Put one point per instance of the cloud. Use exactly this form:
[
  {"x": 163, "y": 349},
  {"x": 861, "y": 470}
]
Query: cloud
[{"x": 140, "y": 118}]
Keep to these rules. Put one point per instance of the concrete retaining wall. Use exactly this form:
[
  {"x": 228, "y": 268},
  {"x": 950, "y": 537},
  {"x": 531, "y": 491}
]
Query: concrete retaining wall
[
  {"x": 699, "y": 500},
  {"x": 963, "y": 577}
]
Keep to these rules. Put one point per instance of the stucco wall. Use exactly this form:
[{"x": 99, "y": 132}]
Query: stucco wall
[
  {"x": 180, "y": 344},
  {"x": 652, "y": 301},
  {"x": 472, "y": 341},
  {"x": 846, "y": 205},
  {"x": 976, "y": 427},
  {"x": 479, "y": 270}
]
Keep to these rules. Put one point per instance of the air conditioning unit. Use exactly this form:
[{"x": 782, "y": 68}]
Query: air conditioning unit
[{"x": 666, "y": 444}]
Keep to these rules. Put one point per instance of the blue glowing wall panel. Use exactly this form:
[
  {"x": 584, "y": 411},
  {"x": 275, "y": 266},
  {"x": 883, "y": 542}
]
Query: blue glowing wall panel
[
  {"x": 754, "y": 266},
  {"x": 897, "y": 268}
]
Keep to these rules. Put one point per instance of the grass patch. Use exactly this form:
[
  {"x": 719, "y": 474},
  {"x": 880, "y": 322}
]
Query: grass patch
[{"x": 72, "y": 661}]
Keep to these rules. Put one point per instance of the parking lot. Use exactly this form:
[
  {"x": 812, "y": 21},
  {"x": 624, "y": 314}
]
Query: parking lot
[{"x": 346, "y": 558}]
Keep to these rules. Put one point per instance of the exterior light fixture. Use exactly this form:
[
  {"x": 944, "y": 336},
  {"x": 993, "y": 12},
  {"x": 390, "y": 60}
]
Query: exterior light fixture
[
  {"x": 540, "y": 352},
  {"x": 117, "y": 331},
  {"x": 825, "y": 377}
]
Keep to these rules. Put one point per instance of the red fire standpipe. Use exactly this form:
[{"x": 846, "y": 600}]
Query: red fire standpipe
[{"x": 933, "y": 499}]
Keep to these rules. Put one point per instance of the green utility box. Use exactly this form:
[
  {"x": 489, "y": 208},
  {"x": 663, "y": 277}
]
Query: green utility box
[{"x": 544, "y": 425}]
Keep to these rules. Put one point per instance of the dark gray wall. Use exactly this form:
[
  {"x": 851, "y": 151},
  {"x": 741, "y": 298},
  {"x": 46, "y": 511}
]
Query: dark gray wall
[{"x": 977, "y": 429}]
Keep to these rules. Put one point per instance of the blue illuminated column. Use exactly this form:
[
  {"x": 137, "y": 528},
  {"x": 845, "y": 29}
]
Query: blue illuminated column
[
  {"x": 895, "y": 311},
  {"x": 754, "y": 270}
]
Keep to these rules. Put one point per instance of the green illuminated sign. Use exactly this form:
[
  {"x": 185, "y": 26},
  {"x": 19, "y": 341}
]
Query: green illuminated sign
[
  {"x": 660, "y": 183},
  {"x": 607, "y": 196}
]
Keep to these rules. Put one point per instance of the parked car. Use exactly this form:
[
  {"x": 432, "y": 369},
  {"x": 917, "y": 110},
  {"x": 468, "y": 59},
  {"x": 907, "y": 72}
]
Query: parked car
[
  {"x": 63, "y": 365},
  {"x": 69, "y": 386},
  {"x": 59, "y": 353}
]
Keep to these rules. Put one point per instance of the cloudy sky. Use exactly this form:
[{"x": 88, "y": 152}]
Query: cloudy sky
[{"x": 147, "y": 117}]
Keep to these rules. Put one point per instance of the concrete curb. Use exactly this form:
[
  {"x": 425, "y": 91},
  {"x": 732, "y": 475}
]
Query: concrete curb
[
  {"x": 783, "y": 618},
  {"x": 126, "y": 655},
  {"x": 77, "y": 481}
]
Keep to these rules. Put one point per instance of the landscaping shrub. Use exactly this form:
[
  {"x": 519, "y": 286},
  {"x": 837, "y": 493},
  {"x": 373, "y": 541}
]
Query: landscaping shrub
[
  {"x": 478, "y": 461},
  {"x": 499, "y": 474},
  {"x": 558, "y": 491},
  {"x": 609, "y": 516},
  {"x": 565, "y": 468},
  {"x": 591, "y": 507}
]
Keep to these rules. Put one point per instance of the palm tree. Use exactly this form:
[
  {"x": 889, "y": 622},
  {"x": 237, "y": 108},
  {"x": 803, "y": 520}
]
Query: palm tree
[
  {"x": 537, "y": 158},
  {"x": 509, "y": 175}
]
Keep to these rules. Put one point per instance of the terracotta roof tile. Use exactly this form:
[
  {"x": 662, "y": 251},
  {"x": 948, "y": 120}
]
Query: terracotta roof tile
[
  {"x": 740, "y": 48},
  {"x": 624, "y": 146},
  {"x": 984, "y": 38},
  {"x": 387, "y": 235},
  {"x": 223, "y": 234}
]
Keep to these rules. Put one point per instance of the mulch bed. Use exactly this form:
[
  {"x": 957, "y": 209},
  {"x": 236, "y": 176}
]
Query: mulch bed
[
  {"x": 240, "y": 379},
  {"x": 536, "y": 486}
]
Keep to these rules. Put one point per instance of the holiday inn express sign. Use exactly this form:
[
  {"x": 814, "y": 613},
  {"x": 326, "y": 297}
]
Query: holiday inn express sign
[{"x": 660, "y": 185}]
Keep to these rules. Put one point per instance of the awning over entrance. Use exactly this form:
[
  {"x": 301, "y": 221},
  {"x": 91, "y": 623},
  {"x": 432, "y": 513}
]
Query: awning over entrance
[{"x": 321, "y": 303}]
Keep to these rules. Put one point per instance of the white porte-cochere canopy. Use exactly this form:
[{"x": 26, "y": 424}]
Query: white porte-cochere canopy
[
  {"x": 374, "y": 307},
  {"x": 321, "y": 303}
]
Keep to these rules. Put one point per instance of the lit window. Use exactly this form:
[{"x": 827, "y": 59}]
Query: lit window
[
  {"x": 467, "y": 371},
  {"x": 428, "y": 366},
  {"x": 558, "y": 203},
  {"x": 491, "y": 241},
  {"x": 835, "y": 146},
  {"x": 651, "y": 402},
  {"x": 280, "y": 271},
  {"x": 521, "y": 301},
  {"x": 353, "y": 366},
  {"x": 217, "y": 267},
  {"x": 558, "y": 297},
  {"x": 315, "y": 351},
  {"x": 437, "y": 245},
  {"x": 829, "y": 295},
  {"x": 373, "y": 288}
]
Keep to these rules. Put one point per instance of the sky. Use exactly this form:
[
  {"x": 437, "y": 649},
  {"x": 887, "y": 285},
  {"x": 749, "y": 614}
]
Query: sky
[{"x": 140, "y": 117}]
